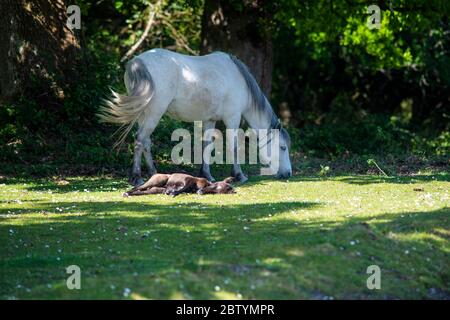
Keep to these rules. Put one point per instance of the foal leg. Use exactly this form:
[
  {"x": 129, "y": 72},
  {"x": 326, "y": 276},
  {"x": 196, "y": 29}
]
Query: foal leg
[
  {"x": 175, "y": 190},
  {"x": 204, "y": 170},
  {"x": 153, "y": 190},
  {"x": 157, "y": 180},
  {"x": 232, "y": 141}
]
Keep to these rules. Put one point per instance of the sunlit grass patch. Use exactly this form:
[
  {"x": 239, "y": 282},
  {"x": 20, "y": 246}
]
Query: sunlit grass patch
[{"x": 311, "y": 237}]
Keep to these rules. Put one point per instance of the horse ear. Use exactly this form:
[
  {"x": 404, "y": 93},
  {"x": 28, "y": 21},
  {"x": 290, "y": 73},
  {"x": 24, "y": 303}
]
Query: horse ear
[{"x": 279, "y": 125}]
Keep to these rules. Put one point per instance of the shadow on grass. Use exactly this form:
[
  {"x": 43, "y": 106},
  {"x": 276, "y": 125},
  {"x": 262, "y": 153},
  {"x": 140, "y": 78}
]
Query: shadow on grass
[
  {"x": 363, "y": 180},
  {"x": 357, "y": 179},
  {"x": 106, "y": 183},
  {"x": 205, "y": 251},
  {"x": 63, "y": 184}
]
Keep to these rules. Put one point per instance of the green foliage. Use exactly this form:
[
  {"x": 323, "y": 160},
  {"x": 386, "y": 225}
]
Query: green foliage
[
  {"x": 63, "y": 130},
  {"x": 350, "y": 90},
  {"x": 36, "y": 129},
  {"x": 176, "y": 24},
  {"x": 353, "y": 90},
  {"x": 379, "y": 46},
  {"x": 324, "y": 170},
  {"x": 372, "y": 162}
]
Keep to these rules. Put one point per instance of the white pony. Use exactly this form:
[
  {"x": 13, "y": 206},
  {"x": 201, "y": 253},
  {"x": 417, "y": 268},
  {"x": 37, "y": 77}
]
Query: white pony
[{"x": 210, "y": 88}]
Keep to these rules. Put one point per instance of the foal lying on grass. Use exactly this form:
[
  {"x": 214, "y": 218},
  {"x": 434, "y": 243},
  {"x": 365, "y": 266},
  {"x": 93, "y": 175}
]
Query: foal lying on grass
[{"x": 174, "y": 184}]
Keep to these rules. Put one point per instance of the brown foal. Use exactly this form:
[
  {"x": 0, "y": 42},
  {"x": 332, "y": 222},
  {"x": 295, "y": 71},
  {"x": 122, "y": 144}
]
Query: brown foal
[{"x": 176, "y": 183}]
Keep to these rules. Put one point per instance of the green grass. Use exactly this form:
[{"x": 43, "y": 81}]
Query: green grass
[{"x": 311, "y": 237}]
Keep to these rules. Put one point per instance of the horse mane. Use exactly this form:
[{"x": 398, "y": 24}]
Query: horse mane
[{"x": 259, "y": 102}]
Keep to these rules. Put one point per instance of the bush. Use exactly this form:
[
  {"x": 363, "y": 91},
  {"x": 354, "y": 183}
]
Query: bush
[{"x": 372, "y": 135}]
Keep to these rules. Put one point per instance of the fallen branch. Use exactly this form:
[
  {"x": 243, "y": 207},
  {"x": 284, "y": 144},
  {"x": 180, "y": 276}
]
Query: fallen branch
[
  {"x": 179, "y": 39},
  {"x": 151, "y": 19},
  {"x": 373, "y": 162}
]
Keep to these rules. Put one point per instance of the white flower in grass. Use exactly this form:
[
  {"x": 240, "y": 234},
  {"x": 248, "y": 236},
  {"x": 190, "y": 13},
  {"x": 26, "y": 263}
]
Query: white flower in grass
[{"x": 126, "y": 292}]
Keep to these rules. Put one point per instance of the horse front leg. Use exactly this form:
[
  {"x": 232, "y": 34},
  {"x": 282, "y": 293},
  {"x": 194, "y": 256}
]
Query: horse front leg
[
  {"x": 232, "y": 141},
  {"x": 236, "y": 172},
  {"x": 206, "y": 141}
]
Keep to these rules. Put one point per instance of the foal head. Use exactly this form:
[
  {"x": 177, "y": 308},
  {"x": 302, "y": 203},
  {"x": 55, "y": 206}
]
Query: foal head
[{"x": 221, "y": 187}]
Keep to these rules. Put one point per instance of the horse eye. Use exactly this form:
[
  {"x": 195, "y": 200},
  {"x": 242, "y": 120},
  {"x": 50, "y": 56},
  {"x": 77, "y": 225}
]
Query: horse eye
[{"x": 283, "y": 148}]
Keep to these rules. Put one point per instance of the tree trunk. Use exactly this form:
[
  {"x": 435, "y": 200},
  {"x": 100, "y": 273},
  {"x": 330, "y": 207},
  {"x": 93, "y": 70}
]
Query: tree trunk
[
  {"x": 240, "y": 29},
  {"x": 37, "y": 49}
]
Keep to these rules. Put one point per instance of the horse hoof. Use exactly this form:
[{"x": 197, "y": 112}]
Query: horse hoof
[
  {"x": 208, "y": 177},
  {"x": 241, "y": 178},
  {"x": 125, "y": 195},
  {"x": 136, "y": 181}
]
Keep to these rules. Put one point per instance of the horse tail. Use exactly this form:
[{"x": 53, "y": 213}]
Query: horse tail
[{"x": 126, "y": 110}]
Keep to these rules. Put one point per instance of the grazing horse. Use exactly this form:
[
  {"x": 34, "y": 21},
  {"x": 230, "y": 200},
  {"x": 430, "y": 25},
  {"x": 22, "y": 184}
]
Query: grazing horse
[
  {"x": 210, "y": 88},
  {"x": 174, "y": 184}
]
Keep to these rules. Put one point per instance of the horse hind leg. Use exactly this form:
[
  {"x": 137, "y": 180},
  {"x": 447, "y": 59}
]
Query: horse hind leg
[
  {"x": 141, "y": 146},
  {"x": 143, "y": 142},
  {"x": 135, "y": 177},
  {"x": 148, "y": 156}
]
